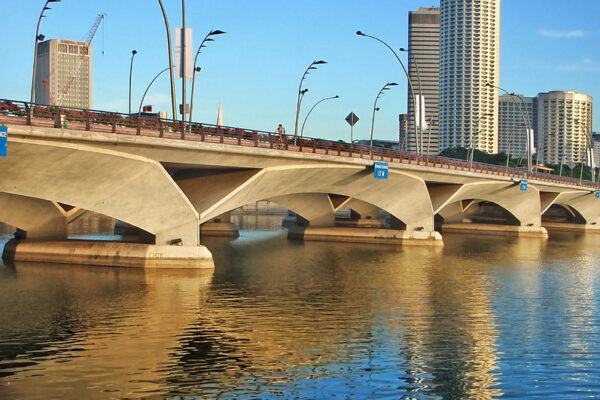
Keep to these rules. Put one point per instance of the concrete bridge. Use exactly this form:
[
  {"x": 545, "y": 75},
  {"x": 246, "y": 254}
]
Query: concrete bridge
[{"x": 168, "y": 180}]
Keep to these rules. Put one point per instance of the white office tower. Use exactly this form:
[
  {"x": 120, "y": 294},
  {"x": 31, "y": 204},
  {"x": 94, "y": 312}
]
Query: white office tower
[
  {"x": 469, "y": 63},
  {"x": 424, "y": 73},
  {"x": 66, "y": 68},
  {"x": 564, "y": 121},
  {"x": 515, "y": 124}
]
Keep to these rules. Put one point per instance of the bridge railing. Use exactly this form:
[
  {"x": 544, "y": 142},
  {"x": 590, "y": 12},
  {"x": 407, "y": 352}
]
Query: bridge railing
[{"x": 25, "y": 113}]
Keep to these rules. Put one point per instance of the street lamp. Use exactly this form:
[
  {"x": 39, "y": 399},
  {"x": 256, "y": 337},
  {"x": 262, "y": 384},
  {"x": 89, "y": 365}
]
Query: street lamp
[
  {"x": 302, "y": 92},
  {"x": 589, "y": 150},
  {"x": 133, "y": 53},
  {"x": 375, "y": 108},
  {"x": 421, "y": 117},
  {"x": 412, "y": 92},
  {"x": 312, "y": 108},
  {"x": 471, "y": 144},
  {"x": 207, "y": 38},
  {"x": 38, "y": 38},
  {"x": 527, "y": 140},
  {"x": 148, "y": 88},
  {"x": 170, "y": 60}
]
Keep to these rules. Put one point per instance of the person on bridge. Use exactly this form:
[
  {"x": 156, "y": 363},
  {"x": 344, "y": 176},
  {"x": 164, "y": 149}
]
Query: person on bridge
[{"x": 281, "y": 133}]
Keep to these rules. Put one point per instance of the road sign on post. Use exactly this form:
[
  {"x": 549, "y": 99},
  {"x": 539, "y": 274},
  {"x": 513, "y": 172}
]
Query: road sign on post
[
  {"x": 523, "y": 185},
  {"x": 381, "y": 170},
  {"x": 351, "y": 119},
  {"x": 597, "y": 193},
  {"x": 3, "y": 140}
]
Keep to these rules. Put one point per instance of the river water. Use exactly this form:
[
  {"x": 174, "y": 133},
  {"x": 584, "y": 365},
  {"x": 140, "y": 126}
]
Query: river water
[{"x": 481, "y": 318}]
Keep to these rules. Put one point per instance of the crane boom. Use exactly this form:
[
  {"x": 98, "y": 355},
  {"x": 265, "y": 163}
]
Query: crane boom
[
  {"x": 50, "y": 98},
  {"x": 84, "y": 52}
]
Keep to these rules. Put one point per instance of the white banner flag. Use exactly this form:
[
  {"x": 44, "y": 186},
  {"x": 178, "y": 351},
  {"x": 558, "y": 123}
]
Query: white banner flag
[
  {"x": 189, "y": 66},
  {"x": 420, "y": 112}
]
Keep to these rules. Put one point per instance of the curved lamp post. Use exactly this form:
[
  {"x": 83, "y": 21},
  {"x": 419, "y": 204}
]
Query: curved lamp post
[
  {"x": 589, "y": 150},
  {"x": 38, "y": 38},
  {"x": 312, "y": 108},
  {"x": 302, "y": 92},
  {"x": 174, "y": 110},
  {"x": 527, "y": 144},
  {"x": 414, "y": 61},
  {"x": 412, "y": 91},
  {"x": 207, "y": 38},
  {"x": 471, "y": 144},
  {"x": 148, "y": 88},
  {"x": 133, "y": 53},
  {"x": 375, "y": 108}
]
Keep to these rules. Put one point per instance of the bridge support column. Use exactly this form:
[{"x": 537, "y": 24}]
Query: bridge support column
[{"x": 126, "y": 187}]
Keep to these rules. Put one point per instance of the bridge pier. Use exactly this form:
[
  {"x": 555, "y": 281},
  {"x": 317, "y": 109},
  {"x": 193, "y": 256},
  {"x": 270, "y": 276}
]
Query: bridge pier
[{"x": 39, "y": 177}]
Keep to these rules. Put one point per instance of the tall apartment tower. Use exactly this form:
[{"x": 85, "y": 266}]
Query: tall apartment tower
[
  {"x": 564, "y": 121},
  {"x": 515, "y": 114},
  {"x": 424, "y": 74},
  {"x": 469, "y": 64},
  {"x": 57, "y": 61}
]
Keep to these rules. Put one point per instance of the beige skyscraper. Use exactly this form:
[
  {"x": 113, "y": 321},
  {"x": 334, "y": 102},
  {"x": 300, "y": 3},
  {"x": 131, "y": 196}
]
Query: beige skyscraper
[
  {"x": 469, "y": 61},
  {"x": 515, "y": 113},
  {"x": 564, "y": 119},
  {"x": 424, "y": 73},
  {"x": 66, "y": 66}
]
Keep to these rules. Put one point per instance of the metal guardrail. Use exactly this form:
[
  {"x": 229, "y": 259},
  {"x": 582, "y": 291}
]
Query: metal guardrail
[{"x": 26, "y": 113}]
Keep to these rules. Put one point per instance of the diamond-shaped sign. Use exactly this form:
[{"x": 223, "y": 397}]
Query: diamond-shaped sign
[{"x": 352, "y": 119}]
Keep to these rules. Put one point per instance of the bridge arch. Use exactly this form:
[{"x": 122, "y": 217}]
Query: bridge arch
[
  {"x": 452, "y": 200},
  {"x": 126, "y": 187},
  {"x": 402, "y": 195}
]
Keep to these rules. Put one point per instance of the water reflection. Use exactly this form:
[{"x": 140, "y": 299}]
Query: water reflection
[{"x": 481, "y": 318}]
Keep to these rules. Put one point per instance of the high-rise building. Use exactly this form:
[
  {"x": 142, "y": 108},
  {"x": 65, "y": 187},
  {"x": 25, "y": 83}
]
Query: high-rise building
[
  {"x": 424, "y": 74},
  {"x": 596, "y": 147},
  {"x": 66, "y": 66},
  {"x": 403, "y": 131},
  {"x": 564, "y": 119},
  {"x": 469, "y": 70},
  {"x": 515, "y": 115}
]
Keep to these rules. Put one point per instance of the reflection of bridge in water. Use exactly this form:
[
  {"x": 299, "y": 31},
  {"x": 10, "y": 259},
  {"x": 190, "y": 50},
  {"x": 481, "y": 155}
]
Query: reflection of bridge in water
[{"x": 168, "y": 179}]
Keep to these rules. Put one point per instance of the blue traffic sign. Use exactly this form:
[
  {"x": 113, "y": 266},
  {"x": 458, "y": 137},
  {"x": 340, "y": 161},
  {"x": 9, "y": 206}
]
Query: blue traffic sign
[
  {"x": 381, "y": 170},
  {"x": 3, "y": 140},
  {"x": 598, "y": 193},
  {"x": 524, "y": 185}
]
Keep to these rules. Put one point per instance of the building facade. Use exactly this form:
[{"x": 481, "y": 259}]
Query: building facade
[
  {"x": 469, "y": 74},
  {"x": 564, "y": 121},
  {"x": 516, "y": 115},
  {"x": 66, "y": 67},
  {"x": 424, "y": 74},
  {"x": 403, "y": 131},
  {"x": 596, "y": 147}
]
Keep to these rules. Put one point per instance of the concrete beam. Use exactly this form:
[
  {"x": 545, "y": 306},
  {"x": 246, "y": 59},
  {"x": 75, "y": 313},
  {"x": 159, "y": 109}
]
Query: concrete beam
[
  {"x": 40, "y": 219},
  {"x": 126, "y": 187},
  {"x": 402, "y": 195}
]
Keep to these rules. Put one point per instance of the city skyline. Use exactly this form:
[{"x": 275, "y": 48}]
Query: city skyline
[{"x": 255, "y": 68}]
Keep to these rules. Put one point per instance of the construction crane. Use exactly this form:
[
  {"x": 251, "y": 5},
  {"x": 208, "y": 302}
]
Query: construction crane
[
  {"x": 84, "y": 52},
  {"x": 50, "y": 98}
]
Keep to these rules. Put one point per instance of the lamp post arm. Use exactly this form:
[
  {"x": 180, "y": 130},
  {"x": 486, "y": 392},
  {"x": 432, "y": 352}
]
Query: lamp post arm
[
  {"x": 300, "y": 96},
  {"x": 309, "y": 111},
  {"x": 410, "y": 85},
  {"x": 194, "y": 79},
  {"x": 174, "y": 110},
  {"x": 37, "y": 33},
  {"x": 133, "y": 53},
  {"x": 148, "y": 88}
]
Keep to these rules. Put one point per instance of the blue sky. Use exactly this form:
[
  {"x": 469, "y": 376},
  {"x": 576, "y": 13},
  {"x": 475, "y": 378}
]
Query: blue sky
[{"x": 254, "y": 70}]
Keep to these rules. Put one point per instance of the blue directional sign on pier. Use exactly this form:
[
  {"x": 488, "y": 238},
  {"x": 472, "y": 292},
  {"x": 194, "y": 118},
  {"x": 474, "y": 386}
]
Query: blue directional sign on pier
[
  {"x": 597, "y": 194},
  {"x": 381, "y": 170},
  {"x": 524, "y": 185},
  {"x": 3, "y": 140}
]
